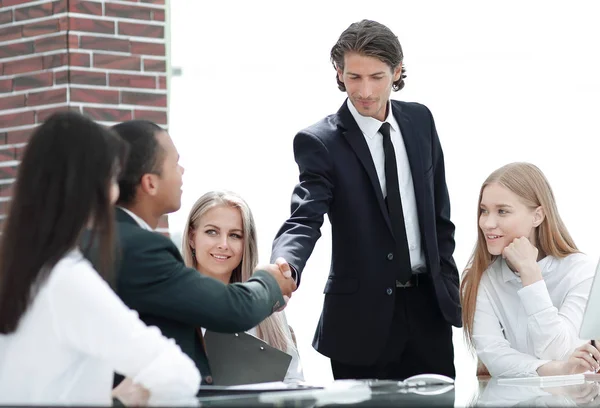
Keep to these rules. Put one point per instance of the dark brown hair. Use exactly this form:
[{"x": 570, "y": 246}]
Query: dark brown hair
[
  {"x": 62, "y": 188},
  {"x": 371, "y": 39}
]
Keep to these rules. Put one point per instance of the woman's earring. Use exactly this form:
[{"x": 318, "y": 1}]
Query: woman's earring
[{"x": 193, "y": 252}]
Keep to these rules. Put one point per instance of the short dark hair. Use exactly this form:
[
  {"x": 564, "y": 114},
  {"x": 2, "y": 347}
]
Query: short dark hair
[
  {"x": 145, "y": 157},
  {"x": 63, "y": 184},
  {"x": 371, "y": 39}
]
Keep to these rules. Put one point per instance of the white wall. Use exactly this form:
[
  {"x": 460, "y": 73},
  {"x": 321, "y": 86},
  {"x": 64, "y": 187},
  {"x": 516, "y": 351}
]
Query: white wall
[{"x": 506, "y": 81}]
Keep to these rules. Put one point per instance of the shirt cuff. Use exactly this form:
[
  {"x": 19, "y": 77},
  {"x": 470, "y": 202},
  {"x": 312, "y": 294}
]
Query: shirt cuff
[
  {"x": 294, "y": 274},
  {"x": 535, "y": 298}
]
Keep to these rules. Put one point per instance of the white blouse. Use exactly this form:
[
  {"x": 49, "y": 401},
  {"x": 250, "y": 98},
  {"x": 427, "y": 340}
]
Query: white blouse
[
  {"x": 518, "y": 329},
  {"x": 75, "y": 333}
]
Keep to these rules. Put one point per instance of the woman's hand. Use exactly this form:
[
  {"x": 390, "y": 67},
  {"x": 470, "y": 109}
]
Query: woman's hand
[
  {"x": 130, "y": 394},
  {"x": 584, "y": 358},
  {"x": 522, "y": 256}
]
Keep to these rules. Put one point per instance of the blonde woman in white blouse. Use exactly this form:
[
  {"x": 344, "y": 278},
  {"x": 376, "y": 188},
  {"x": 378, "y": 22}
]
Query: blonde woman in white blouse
[
  {"x": 219, "y": 241},
  {"x": 63, "y": 331},
  {"x": 525, "y": 288}
]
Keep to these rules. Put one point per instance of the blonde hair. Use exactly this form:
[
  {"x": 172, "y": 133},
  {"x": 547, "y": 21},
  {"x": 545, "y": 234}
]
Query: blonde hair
[
  {"x": 551, "y": 236},
  {"x": 273, "y": 329}
]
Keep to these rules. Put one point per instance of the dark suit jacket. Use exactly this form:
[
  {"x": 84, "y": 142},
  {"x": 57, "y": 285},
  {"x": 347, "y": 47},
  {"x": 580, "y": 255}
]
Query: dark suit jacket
[
  {"x": 153, "y": 280},
  {"x": 338, "y": 178}
]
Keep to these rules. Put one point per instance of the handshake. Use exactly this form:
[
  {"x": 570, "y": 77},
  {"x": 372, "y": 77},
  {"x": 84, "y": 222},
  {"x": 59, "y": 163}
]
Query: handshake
[{"x": 282, "y": 272}]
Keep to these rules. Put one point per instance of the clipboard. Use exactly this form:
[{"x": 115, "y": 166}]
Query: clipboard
[{"x": 240, "y": 358}]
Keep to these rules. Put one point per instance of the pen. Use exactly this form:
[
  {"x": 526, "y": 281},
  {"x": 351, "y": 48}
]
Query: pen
[{"x": 593, "y": 342}]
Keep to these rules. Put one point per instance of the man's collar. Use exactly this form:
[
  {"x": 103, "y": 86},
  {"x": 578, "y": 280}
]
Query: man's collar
[
  {"x": 368, "y": 125},
  {"x": 143, "y": 224}
]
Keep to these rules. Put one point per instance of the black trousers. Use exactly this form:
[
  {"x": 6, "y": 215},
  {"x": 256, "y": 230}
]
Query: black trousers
[{"x": 420, "y": 340}]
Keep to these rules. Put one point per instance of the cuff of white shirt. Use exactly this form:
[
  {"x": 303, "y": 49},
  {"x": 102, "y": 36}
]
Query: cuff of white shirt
[
  {"x": 294, "y": 274},
  {"x": 535, "y": 298},
  {"x": 537, "y": 364}
]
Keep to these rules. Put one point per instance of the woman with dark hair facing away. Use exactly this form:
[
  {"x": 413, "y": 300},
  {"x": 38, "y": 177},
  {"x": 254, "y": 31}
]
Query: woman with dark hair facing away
[{"x": 63, "y": 331}]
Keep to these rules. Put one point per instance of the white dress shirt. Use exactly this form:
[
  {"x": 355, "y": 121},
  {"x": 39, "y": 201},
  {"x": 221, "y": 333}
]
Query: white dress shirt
[
  {"x": 143, "y": 224},
  {"x": 518, "y": 329},
  {"x": 370, "y": 129},
  {"x": 72, "y": 337}
]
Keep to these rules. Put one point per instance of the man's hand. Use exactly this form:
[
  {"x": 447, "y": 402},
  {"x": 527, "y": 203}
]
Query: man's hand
[
  {"x": 282, "y": 273},
  {"x": 522, "y": 256}
]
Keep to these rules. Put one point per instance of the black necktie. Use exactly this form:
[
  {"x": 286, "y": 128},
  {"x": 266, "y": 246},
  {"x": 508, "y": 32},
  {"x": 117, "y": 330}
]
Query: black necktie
[{"x": 394, "y": 203}]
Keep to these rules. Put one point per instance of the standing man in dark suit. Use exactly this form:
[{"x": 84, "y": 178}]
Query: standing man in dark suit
[
  {"x": 152, "y": 277},
  {"x": 376, "y": 168}
]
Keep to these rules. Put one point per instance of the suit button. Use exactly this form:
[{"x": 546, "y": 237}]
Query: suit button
[
  {"x": 389, "y": 291},
  {"x": 208, "y": 379},
  {"x": 390, "y": 256}
]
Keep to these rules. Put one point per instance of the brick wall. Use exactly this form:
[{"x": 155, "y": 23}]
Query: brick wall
[{"x": 103, "y": 58}]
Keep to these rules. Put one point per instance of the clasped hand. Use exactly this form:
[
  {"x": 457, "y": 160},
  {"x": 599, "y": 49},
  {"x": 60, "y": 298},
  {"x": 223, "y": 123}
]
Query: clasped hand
[{"x": 282, "y": 272}]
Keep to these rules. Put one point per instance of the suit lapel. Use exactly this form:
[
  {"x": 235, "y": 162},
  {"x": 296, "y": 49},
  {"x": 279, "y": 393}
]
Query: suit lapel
[
  {"x": 413, "y": 151},
  {"x": 356, "y": 139}
]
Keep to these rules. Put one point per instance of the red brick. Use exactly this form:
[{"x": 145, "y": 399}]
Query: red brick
[
  {"x": 94, "y": 96},
  {"x": 20, "y": 136},
  {"x": 158, "y": 15},
  {"x": 6, "y": 16},
  {"x": 117, "y": 62},
  {"x": 79, "y": 60},
  {"x": 19, "y": 152},
  {"x": 6, "y": 190},
  {"x": 127, "y": 11},
  {"x": 23, "y": 65},
  {"x": 10, "y": 33},
  {"x": 6, "y": 3},
  {"x": 153, "y": 1},
  {"x": 159, "y": 117},
  {"x": 155, "y": 65},
  {"x": 61, "y": 77},
  {"x": 87, "y": 78},
  {"x": 59, "y": 6},
  {"x": 103, "y": 43},
  {"x": 5, "y": 85},
  {"x": 85, "y": 7},
  {"x": 8, "y": 172},
  {"x": 12, "y": 102},
  {"x": 162, "y": 82},
  {"x": 73, "y": 41},
  {"x": 37, "y": 11},
  {"x": 41, "y": 80},
  {"x": 63, "y": 24},
  {"x": 7, "y": 154},
  {"x": 132, "y": 81},
  {"x": 16, "y": 119},
  {"x": 145, "y": 48},
  {"x": 16, "y": 50},
  {"x": 144, "y": 98},
  {"x": 51, "y": 43},
  {"x": 55, "y": 60},
  {"x": 41, "y": 28},
  {"x": 4, "y": 208},
  {"x": 3, "y": 138},
  {"x": 141, "y": 30},
  {"x": 91, "y": 25},
  {"x": 43, "y": 114},
  {"x": 49, "y": 97},
  {"x": 108, "y": 115}
]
